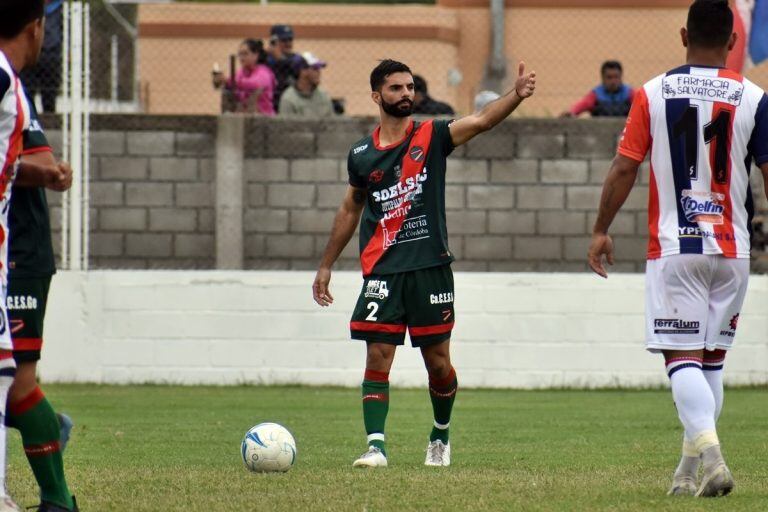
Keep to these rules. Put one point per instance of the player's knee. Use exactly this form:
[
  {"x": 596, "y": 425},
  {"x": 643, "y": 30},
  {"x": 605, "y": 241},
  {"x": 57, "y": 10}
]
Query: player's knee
[{"x": 24, "y": 382}]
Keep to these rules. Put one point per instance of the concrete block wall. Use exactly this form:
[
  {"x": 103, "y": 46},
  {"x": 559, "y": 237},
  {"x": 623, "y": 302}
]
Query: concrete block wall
[
  {"x": 225, "y": 328},
  {"x": 520, "y": 198}
]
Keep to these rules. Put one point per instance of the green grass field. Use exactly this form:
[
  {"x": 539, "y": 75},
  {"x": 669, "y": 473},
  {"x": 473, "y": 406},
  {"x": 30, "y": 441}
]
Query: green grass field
[{"x": 148, "y": 448}]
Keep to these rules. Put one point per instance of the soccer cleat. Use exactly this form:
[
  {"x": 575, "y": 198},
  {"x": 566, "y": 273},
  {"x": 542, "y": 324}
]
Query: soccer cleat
[
  {"x": 65, "y": 428},
  {"x": 438, "y": 454},
  {"x": 7, "y": 505},
  {"x": 373, "y": 458},
  {"x": 683, "y": 485},
  {"x": 717, "y": 481},
  {"x": 52, "y": 507}
]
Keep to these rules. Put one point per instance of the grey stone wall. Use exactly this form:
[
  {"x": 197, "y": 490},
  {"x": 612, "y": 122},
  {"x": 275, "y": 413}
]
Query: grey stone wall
[{"x": 520, "y": 198}]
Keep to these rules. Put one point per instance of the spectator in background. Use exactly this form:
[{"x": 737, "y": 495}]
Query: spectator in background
[
  {"x": 423, "y": 104},
  {"x": 281, "y": 58},
  {"x": 611, "y": 98},
  {"x": 45, "y": 77},
  {"x": 253, "y": 86},
  {"x": 305, "y": 98}
]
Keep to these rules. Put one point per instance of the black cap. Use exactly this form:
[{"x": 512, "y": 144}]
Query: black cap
[{"x": 281, "y": 32}]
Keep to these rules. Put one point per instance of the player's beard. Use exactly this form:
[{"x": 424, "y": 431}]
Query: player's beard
[{"x": 402, "y": 108}]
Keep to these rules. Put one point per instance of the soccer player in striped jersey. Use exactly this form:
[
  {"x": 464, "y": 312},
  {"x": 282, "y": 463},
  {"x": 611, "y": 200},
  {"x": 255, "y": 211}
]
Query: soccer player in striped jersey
[
  {"x": 397, "y": 183},
  {"x": 704, "y": 126},
  {"x": 21, "y": 38}
]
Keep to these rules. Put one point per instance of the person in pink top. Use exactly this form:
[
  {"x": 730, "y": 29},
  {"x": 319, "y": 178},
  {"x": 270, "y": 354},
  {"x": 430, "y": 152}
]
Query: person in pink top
[{"x": 253, "y": 86}]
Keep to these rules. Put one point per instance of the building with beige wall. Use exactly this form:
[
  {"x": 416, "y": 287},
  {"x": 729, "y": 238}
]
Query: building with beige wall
[{"x": 565, "y": 41}]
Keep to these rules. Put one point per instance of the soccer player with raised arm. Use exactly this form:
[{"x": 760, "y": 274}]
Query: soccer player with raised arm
[
  {"x": 704, "y": 125},
  {"x": 21, "y": 38},
  {"x": 397, "y": 183}
]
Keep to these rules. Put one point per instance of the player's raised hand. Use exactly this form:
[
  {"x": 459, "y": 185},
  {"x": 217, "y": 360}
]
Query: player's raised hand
[
  {"x": 525, "y": 83},
  {"x": 602, "y": 244},
  {"x": 320, "y": 291}
]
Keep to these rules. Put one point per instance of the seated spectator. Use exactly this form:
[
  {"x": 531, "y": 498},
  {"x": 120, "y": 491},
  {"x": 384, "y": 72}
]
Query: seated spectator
[
  {"x": 611, "y": 98},
  {"x": 281, "y": 58},
  {"x": 305, "y": 98},
  {"x": 424, "y": 104},
  {"x": 253, "y": 86}
]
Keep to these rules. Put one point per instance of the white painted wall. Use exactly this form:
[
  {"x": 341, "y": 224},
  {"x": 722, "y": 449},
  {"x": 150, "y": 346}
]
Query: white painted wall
[{"x": 513, "y": 330}]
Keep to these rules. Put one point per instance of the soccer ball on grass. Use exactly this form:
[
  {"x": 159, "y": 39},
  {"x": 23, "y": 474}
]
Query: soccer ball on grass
[{"x": 267, "y": 448}]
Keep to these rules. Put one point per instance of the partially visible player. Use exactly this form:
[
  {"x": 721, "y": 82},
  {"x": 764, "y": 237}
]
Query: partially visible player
[
  {"x": 21, "y": 38},
  {"x": 397, "y": 183},
  {"x": 704, "y": 126},
  {"x": 30, "y": 268}
]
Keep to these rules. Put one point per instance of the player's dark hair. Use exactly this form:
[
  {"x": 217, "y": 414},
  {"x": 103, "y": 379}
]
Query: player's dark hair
[
  {"x": 257, "y": 46},
  {"x": 384, "y": 69},
  {"x": 710, "y": 23},
  {"x": 611, "y": 64},
  {"x": 17, "y": 14}
]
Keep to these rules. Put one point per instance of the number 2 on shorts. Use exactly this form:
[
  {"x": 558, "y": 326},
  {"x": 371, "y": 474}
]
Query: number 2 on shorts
[{"x": 374, "y": 309}]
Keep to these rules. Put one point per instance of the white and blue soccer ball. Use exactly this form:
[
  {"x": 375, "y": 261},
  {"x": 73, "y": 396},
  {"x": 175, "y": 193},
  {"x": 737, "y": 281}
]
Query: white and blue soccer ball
[{"x": 268, "y": 448}]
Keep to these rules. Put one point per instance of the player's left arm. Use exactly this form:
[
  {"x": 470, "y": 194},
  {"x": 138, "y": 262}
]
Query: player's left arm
[
  {"x": 495, "y": 112},
  {"x": 618, "y": 184},
  {"x": 764, "y": 168}
]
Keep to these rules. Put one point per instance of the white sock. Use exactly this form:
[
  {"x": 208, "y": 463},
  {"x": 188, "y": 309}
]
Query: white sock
[
  {"x": 693, "y": 398},
  {"x": 689, "y": 462},
  {"x": 7, "y": 370},
  {"x": 713, "y": 372}
]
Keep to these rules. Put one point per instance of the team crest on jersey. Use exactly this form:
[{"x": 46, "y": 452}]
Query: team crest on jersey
[
  {"x": 417, "y": 153},
  {"x": 376, "y": 289},
  {"x": 376, "y": 176}
]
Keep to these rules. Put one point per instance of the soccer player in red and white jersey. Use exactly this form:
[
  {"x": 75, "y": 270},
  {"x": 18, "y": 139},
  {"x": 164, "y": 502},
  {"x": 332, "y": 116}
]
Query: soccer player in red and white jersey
[
  {"x": 704, "y": 126},
  {"x": 21, "y": 38}
]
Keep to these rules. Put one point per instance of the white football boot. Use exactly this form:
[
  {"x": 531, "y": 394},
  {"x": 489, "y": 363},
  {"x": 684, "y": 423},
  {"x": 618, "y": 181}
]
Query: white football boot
[
  {"x": 438, "y": 454},
  {"x": 683, "y": 485},
  {"x": 373, "y": 458},
  {"x": 716, "y": 481}
]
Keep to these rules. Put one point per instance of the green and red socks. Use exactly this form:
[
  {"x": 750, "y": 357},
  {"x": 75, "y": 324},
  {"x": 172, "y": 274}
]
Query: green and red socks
[
  {"x": 34, "y": 417},
  {"x": 375, "y": 406},
  {"x": 442, "y": 392}
]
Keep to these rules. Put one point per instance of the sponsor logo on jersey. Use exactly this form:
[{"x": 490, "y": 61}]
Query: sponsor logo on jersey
[
  {"x": 702, "y": 206},
  {"x": 376, "y": 176},
  {"x": 675, "y": 326},
  {"x": 440, "y": 298},
  {"x": 376, "y": 289},
  {"x": 411, "y": 230},
  {"x": 359, "y": 149},
  {"x": 21, "y": 302},
  {"x": 401, "y": 188},
  {"x": 703, "y": 88},
  {"x": 417, "y": 153}
]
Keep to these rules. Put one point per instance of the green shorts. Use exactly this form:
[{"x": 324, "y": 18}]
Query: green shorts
[
  {"x": 27, "y": 298},
  {"x": 419, "y": 301}
]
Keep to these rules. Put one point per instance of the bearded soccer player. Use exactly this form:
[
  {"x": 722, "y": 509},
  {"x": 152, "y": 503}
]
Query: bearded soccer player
[
  {"x": 397, "y": 183},
  {"x": 704, "y": 126}
]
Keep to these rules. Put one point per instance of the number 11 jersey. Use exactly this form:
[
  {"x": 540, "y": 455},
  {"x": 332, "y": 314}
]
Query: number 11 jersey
[{"x": 704, "y": 126}]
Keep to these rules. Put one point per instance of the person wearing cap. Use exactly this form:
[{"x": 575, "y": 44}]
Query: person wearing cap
[
  {"x": 281, "y": 59},
  {"x": 424, "y": 104},
  {"x": 305, "y": 98}
]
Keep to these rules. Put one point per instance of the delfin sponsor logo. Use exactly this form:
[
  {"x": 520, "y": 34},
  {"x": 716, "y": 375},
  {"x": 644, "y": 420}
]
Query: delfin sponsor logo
[{"x": 702, "y": 207}]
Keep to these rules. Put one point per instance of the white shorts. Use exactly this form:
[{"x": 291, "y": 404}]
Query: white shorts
[{"x": 692, "y": 301}]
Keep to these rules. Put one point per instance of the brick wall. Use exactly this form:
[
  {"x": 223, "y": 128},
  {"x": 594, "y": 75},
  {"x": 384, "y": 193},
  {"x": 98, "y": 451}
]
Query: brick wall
[{"x": 520, "y": 198}]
